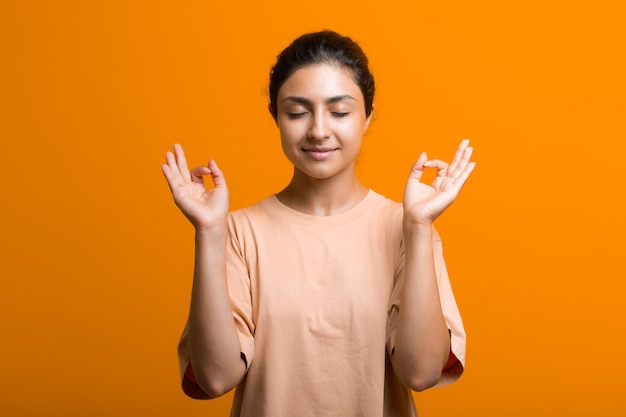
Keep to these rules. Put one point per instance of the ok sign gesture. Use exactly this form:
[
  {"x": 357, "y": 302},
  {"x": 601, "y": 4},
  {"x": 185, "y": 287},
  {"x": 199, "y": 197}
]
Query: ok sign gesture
[
  {"x": 423, "y": 203},
  {"x": 203, "y": 207}
]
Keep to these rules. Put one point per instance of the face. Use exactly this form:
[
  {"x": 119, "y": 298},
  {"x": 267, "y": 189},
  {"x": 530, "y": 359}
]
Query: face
[{"x": 321, "y": 117}]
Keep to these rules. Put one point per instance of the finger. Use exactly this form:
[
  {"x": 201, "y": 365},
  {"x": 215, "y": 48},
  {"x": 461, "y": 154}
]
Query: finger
[
  {"x": 171, "y": 177},
  {"x": 442, "y": 171},
  {"x": 197, "y": 174},
  {"x": 441, "y": 166},
  {"x": 464, "y": 175},
  {"x": 462, "y": 164},
  {"x": 217, "y": 175},
  {"x": 458, "y": 155},
  {"x": 181, "y": 161},
  {"x": 418, "y": 167},
  {"x": 170, "y": 159},
  {"x": 167, "y": 172}
]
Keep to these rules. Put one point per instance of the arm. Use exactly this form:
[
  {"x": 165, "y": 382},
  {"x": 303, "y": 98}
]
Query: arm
[
  {"x": 422, "y": 347},
  {"x": 212, "y": 341},
  {"x": 422, "y": 339},
  {"x": 213, "y": 344}
]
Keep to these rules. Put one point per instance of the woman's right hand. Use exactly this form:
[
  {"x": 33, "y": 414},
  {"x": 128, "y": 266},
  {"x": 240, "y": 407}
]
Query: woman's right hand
[{"x": 204, "y": 208}]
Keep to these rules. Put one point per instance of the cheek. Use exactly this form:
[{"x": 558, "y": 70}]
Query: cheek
[
  {"x": 291, "y": 131},
  {"x": 351, "y": 131},
  {"x": 289, "y": 138},
  {"x": 290, "y": 146}
]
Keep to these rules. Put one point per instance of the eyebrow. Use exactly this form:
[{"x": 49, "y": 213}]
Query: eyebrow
[{"x": 329, "y": 100}]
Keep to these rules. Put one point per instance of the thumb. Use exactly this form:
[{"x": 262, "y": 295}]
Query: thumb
[
  {"x": 198, "y": 172},
  {"x": 217, "y": 175},
  {"x": 418, "y": 167}
]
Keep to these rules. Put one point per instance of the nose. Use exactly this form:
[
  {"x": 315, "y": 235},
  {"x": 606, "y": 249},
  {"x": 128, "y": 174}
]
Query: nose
[{"x": 319, "y": 128}]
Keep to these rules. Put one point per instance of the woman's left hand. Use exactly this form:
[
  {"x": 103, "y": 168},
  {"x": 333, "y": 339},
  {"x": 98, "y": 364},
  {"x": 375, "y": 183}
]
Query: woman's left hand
[{"x": 423, "y": 203}]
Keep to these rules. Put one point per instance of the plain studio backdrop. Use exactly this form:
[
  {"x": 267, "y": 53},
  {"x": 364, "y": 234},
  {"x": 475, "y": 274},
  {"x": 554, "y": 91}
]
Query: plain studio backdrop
[{"x": 97, "y": 261}]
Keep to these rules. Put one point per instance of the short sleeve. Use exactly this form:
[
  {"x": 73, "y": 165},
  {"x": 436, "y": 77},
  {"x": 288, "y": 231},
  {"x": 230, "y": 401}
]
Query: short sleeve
[
  {"x": 239, "y": 290},
  {"x": 241, "y": 302},
  {"x": 455, "y": 367}
]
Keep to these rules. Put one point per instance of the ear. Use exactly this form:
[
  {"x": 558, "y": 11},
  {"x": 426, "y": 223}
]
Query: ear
[
  {"x": 369, "y": 119},
  {"x": 269, "y": 108}
]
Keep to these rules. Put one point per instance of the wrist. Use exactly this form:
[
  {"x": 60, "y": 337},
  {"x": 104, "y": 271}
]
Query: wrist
[
  {"x": 412, "y": 221},
  {"x": 217, "y": 227},
  {"x": 413, "y": 227}
]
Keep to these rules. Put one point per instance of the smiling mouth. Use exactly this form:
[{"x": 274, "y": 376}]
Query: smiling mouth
[{"x": 320, "y": 154}]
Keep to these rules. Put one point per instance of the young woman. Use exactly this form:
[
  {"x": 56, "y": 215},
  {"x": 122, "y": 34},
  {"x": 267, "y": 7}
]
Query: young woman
[{"x": 325, "y": 299}]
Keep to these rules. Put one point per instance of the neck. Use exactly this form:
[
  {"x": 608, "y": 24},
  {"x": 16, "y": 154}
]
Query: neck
[{"x": 322, "y": 197}]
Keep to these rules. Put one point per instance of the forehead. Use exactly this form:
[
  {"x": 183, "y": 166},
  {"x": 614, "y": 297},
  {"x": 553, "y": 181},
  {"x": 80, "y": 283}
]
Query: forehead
[{"x": 320, "y": 80}]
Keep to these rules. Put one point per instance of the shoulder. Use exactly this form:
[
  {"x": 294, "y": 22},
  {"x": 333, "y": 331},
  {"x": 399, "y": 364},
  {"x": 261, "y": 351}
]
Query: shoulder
[
  {"x": 254, "y": 219},
  {"x": 384, "y": 206},
  {"x": 386, "y": 215},
  {"x": 249, "y": 224},
  {"x": 259, "y": 209},
  {"x": 384, "y": 201}
]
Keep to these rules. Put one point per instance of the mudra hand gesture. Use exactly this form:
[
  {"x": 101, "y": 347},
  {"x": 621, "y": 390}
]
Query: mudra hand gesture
[
  {"x": 423, "y": 203},
  {"x": 203, "y": 207}
]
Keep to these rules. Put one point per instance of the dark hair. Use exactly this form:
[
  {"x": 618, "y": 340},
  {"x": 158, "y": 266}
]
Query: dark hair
[{"x": 317, "y": 48}]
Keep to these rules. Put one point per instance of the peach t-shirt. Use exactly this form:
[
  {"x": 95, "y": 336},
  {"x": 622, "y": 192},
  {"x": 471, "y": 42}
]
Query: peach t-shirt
[{"x": 315, "y": 301}]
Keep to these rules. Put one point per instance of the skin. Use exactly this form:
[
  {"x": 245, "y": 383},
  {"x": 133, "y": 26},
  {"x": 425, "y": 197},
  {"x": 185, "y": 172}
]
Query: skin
[
  {"x": 320, "y": 108},
  {"x": 422, "y": 340},
  {"x": 321, "y": 119},
  {"x": 214, "y": 350}
]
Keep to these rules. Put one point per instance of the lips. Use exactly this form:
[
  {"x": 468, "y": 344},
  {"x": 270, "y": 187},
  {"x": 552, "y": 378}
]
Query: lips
[{"x": 319, "y": 154}]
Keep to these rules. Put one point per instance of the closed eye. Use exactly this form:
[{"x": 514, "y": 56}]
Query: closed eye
[
  {"x": 340, "y": 114},
  {"x": 296, "y": 115}
]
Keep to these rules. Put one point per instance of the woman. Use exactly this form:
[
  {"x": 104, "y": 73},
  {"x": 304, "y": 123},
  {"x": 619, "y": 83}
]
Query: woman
[{"x": 325, "y": 299}]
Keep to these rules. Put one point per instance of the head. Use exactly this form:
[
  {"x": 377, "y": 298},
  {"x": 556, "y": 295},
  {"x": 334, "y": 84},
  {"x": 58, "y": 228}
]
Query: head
[{"x": 325, "y": 47}]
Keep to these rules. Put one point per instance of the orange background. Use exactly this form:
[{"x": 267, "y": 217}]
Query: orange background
[{"x": 96, "y": 260}]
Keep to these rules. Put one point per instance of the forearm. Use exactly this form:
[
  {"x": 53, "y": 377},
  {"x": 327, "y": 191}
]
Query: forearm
[
  {"x": 214, "y": 350},
  {"x": 422, "y": 340}
]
